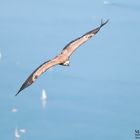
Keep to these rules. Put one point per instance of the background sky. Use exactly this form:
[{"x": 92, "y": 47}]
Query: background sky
[{"x": 97, "y": 97}]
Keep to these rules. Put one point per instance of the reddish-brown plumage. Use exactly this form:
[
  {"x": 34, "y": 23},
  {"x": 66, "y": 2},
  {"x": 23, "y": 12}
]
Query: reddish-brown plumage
[{"x": 62, "y": 58}]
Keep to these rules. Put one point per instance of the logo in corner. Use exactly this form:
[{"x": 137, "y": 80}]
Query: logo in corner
[{"x": 137, "y": 134}]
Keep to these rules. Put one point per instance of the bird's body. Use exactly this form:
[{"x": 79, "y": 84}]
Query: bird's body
[{"x": 62, "y": 58}]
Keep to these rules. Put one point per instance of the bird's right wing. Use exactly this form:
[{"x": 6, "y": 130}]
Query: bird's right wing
[
  {"x": 38, "y": 72},
  {"x": 42, "y": 68}
]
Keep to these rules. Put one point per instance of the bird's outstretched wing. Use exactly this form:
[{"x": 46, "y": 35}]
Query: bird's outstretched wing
[
  {"x": 73, "y": 45},
  {"x": 39, "y": 71},
  {"x": 61, "y": 58}
]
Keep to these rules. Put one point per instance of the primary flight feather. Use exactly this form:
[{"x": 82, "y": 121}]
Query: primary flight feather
[{"x": 62, "y": 58}]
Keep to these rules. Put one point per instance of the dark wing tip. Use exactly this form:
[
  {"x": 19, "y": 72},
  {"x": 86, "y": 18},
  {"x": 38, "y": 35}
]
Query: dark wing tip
[
  {"x": 18, "y": 92},
  {"x": 95, "y": 31},
  {"x": 22, "y": 87},
  {"x": 103, "y": 23},
  {"x": 25, "y": 85},
  {"x": 30, "y": 80}
]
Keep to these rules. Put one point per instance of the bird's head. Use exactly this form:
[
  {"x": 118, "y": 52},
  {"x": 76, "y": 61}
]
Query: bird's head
[{"x": 66, "y": 63}]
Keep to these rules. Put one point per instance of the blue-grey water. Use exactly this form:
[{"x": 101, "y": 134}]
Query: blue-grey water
[{"x": 97, "y": 97}]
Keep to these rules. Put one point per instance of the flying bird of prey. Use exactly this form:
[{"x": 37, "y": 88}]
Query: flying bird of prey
[{"x": 62, "y": 58}]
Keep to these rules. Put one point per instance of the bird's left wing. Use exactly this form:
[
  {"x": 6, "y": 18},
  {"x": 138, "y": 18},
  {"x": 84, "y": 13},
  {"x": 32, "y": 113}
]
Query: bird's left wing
[
  {"x": 73, "y": 45},
  {"x": 38, "y": 72}
]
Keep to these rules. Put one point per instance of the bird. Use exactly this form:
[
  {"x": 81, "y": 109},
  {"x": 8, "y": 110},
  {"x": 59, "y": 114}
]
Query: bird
[{"x": 62, "y": 58}]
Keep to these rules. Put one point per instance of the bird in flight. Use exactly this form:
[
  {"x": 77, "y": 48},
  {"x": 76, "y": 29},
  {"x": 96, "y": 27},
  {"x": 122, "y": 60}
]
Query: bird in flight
[{"x": 62, "y": 58}]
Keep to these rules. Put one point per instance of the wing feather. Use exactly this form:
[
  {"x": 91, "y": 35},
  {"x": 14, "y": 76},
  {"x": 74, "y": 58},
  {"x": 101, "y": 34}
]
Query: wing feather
[
  {"x": 38, "y": 72},
  {"x": 73, "y": 45}
]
